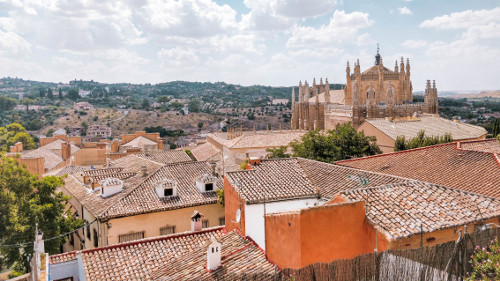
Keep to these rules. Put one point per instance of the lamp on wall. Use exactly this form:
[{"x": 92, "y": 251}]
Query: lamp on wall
[{"x": 109, "y": 225}]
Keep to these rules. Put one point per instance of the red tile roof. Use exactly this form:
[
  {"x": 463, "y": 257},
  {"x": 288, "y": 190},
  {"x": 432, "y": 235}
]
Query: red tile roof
[
  {"x": 472, "y": 166},
  {"x": 401, "y": 209},
  {"x": 278, "y": 179}
]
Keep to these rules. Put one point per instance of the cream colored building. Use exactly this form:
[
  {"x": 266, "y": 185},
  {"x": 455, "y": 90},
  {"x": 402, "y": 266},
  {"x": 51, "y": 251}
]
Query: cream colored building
[
  {"x": 386, "y": 130},
  {"x": 136, "y": 197}
]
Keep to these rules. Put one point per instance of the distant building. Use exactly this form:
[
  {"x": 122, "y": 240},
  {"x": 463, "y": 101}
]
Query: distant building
[
  {"x": 280, "y": 101},
  {"x": 155, "y": 105},
  {"x": 82, "y": 106},
  {"x": 83, "y": 93},
  {"x": 386, "y": 130},
  {"x": 185, "y": 109},
  {"x": 98, "y": 131}
]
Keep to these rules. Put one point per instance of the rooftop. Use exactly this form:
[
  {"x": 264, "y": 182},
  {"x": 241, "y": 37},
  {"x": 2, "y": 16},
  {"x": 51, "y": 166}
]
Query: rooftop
[
  {"x": 292, "y": 178},
  {"x": 432, "y": 125},
  {"x": 139, "y": 142},
  {"x": 50, "y": 152},
  {"x": 204, "y": 152},
  {"x": 172, "y": 257},
  {"x": 472, "y": 166},
  {"x": 165, "y": 157},
  {"x": 257, "y": 139},
  {"x": 401, "y": 209}
]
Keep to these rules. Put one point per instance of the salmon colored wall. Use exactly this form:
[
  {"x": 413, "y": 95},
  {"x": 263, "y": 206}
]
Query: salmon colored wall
[
  {"x": 36, "y": 166},
  {"x": 152, "y": 222},
  {"x": 90, "y": 156},
  {"x": 232, "y": 203},
  {"x": 283, "y": 245},
  {"x": 75, "y": 140},
  {"x": 151, "y": 136},
  {"x": 385, "y": 143},
  {"x": 326, "y": 233}
]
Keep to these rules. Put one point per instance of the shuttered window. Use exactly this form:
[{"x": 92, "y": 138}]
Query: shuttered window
[
  {"x": 130, "y": 236},
  {"x": 169, "y": 229}
]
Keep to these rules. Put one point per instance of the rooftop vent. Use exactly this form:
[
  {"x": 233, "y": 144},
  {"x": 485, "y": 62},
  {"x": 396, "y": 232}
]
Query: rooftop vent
[
  {"x": 196, "y": 223},
  {"x": 206, "y": 183},
  {"x": 144, "y": 170},
  {"x": 213, "y": 255},
  {"x": 110, "y": 186}
]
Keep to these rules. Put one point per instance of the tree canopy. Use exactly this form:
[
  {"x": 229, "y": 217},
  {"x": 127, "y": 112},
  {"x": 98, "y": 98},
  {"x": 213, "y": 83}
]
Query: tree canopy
[
  {"x": 343, "y": 142},
  {"x": 13, "y": 133},
  {"x": 24, "y": 201},
  {"x": 278, "y": 152},
  {"x": 420, "y": 140}
]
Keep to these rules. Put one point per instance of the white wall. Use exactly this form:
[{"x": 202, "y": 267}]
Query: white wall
[
  {"x": 254, "y": 216},
  {"x": 64, "y": 270}
]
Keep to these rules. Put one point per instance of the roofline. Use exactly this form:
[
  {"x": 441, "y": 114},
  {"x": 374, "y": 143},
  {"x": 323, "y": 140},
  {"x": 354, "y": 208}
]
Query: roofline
[{"x": 154, "y": 239}]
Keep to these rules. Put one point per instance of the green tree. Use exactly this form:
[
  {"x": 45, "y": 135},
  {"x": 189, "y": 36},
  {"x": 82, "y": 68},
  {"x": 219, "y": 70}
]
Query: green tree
[
  {"x": 60, "y": 94},
  {"x": 6, "y": 103},
  {"x": 50, "y": 132},
  {"x": 145, "y": 104},
  {"x": 278, "y": 152},
  {"x": 73, "y": 93},
  {"x": 49, "y": 94},
  {"x": 194, "y": 105},
  {"x": 496, "y": 128},
  {"x": 84, "y": 128},
  {"x": 200, "y": 125},
  {"x": 176, "y": 105},
  {"x": 25, "y": 201},
  {"x": 13, "y": 133},
  {"x": 343, "y": 142},
  {"x": 163, "y": 99},
  {"x": 42, "y": 93},
  {"x": 420, "y": 140}
]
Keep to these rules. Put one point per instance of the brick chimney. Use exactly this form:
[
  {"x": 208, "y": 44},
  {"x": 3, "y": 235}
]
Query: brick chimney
[
  {"x": 159, "y": 141},
  {"x": 196, "y": 223},
  {"x": 16, "y": 148},
  {"x": 115, "y": 145},
  {"x": 65, "y": 150}
]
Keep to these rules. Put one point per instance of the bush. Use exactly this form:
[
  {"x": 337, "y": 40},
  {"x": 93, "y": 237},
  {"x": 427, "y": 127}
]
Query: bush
[{"x": 485, "y": 262}]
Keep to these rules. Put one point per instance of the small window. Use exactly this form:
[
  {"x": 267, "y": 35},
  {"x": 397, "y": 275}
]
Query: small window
[
  {"x": 96, "y": 242},
  {"x": 88, "y": 231},
  {"x": 169, "y": 229},
  {"x": 431, "y": 239},
  {"x": 222, "y": 221},
  {"x": 204, "y": 224},
  {"x": 209, "y": 186},
  {"x": 131, "y": 236},
  {"x": 168, "y": 192},
  {"x": 71, "y": 240}
]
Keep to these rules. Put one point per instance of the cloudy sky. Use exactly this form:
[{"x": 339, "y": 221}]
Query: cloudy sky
[{"x": 267, "y": 42}]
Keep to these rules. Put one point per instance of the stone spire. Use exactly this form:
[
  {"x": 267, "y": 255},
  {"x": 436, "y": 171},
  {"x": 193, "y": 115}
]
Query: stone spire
[
  {"x": 321, "y": 81},
  {"x": 396, "y": 67},
  {"x": 327, "y": 91},
  {"x": 402, "y": 66},
  {"x": 378, "y": 57},
  {"x": 408, "y": 66},
  {"x": 293, "y": 97},
  {"x": 300, "y": 92}
]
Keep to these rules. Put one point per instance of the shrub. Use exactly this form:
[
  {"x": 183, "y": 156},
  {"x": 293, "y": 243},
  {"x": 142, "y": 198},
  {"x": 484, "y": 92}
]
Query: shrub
[{"x": 486, "y": 262}]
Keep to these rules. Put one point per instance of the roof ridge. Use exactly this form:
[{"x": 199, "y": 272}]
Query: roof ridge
[
  {"x": 153, "y": 239},
  {"x": 397, "y": 152}
]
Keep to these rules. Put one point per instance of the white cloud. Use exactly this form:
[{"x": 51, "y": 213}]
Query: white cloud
[
  {"x": 364, "y": 40},
  {"x": 13, "y": 44},
  {"x": 342, "y": 26},
  {"x": 414, "y": 44},
  {"x": 404, "y": 11}
]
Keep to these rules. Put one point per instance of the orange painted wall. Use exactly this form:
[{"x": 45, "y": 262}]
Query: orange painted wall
[
  {"x": 75, "y": 140},
  {"x": 232, "y": 203},
  {"x": 324, "y": 234},
  {"x": 90, "y": 156},
  {"x": 36, "y": 166}
]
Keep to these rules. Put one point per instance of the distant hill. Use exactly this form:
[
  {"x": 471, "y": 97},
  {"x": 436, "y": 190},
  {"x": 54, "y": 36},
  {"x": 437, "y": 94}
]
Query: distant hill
[{"x": 482, "y": 94}]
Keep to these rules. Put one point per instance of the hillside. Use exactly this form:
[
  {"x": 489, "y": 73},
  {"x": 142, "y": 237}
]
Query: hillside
[{"x": 482, "y": 94}]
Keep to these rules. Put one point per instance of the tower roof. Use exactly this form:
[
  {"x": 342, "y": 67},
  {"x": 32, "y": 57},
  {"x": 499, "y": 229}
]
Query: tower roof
[{"x": 378, "y": 57}]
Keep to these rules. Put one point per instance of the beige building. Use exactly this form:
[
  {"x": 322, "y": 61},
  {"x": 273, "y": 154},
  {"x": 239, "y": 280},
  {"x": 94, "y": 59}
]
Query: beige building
[
  {"x": 377, "y": 92},
  {"x": 386, "y": 130},
  {"x": 136, "y": 197}
]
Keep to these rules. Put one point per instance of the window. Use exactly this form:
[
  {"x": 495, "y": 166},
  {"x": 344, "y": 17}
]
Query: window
[
  {"x": 96, "y": 242},
  {"x": 168, "y": 192},
  {"x": 209, "y": 186},
  {"x": 88, "y": 231},
  {"x": 131, "y": 236},
  {"x": 204, "y": 224},
  {"x": 222, "y": 221},
  {"x": 71, "y": 240},
  {"x": 169, "y": 229}
]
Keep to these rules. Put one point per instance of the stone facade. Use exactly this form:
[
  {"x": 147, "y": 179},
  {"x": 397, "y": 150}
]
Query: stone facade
[{"x": 375, "y": 93}]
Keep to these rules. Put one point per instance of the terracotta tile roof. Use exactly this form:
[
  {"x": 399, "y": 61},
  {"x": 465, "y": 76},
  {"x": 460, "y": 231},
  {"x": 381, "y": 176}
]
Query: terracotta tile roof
[
  {"x": 140, "y": 259},
  {"x": 65, "y": 171},
  {"x": 139, "y": 142},
  {"x": 258, "y": 139},
  {"x": 206, "y": 151},
  {"x": 432, "y": 125},
  {"x": 291, "y": 178},
  {"x": 64, "y": 257},
  {"x": 50, "y": 152},
  {"x": 239, "y": 257},
  {"x": 121, "y": 176},
  {"x": 489, "y": 146},
  {"x": 400, "y": 209},
  {"x": 469, "y": 170},
  {"x": 165, "y": 157},
  {"x": 93, "y": 202},
  {"x": 143, "y": 198}
]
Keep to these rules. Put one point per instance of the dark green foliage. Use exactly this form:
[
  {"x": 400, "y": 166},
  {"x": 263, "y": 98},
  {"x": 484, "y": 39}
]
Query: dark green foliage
[
  {"x": 220, "y": 196},
  {"x": 25, "y": 201},
  {"x": 6, "y": 103},
  {"x": 495, "y": 131},
  {"x": 278, "y": 152},
  {"x": 15, "y": 133},
  {"x": 73, "y": 94},
  {"x": 164, "y": 132},
  {"x": 420, "y": 140},
  {"x": 343, "y": 142},
  {"x": 194, "y": 105}
]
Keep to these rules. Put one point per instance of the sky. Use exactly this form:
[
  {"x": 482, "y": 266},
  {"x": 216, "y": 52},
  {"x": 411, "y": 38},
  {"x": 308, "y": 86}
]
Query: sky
[{"x": 249, "y": 42}]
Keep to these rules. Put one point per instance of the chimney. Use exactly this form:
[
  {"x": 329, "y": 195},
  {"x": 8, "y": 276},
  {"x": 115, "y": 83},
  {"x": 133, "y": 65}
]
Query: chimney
[
  {"x": 159, "y": 142},
  {"x": 115, "y": 145},
  {"x": 65, "y": 150},
  {"x": 144, "y": 170},
  {"x": 19, "y": 146},
  {"x": 108, "y": 162},
  {"x": 213, "y": 165},
  {"x": 213, "y": 255},
  {"x": 196, "y": 221}
]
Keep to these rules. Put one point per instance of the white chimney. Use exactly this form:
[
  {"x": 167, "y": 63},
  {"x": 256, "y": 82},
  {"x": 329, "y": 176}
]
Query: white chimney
[
  {"x": 196, "y": 223},
  {"x": 213, "y": 255}
]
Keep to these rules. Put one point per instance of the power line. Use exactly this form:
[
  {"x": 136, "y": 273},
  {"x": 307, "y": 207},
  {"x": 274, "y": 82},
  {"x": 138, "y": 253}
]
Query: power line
[{"x": 48, "y": 239}]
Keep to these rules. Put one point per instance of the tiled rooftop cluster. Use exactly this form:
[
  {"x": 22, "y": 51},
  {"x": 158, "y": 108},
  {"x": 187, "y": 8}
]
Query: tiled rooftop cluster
[
  {"x": 258, "y": 139},
  {"x": 400, "y": 209},
  {"x": 50, "y": 152},
  {"x": 204, "y": 152},
  {"x": 432, "y": 125},
  {"x": 301, "y": 178},
  {"x": 67, "y": 170},
  {"x": 139, "y": 142},
  {"x": 470, "y": 166},
  {"x": 172, "y": 257}
]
